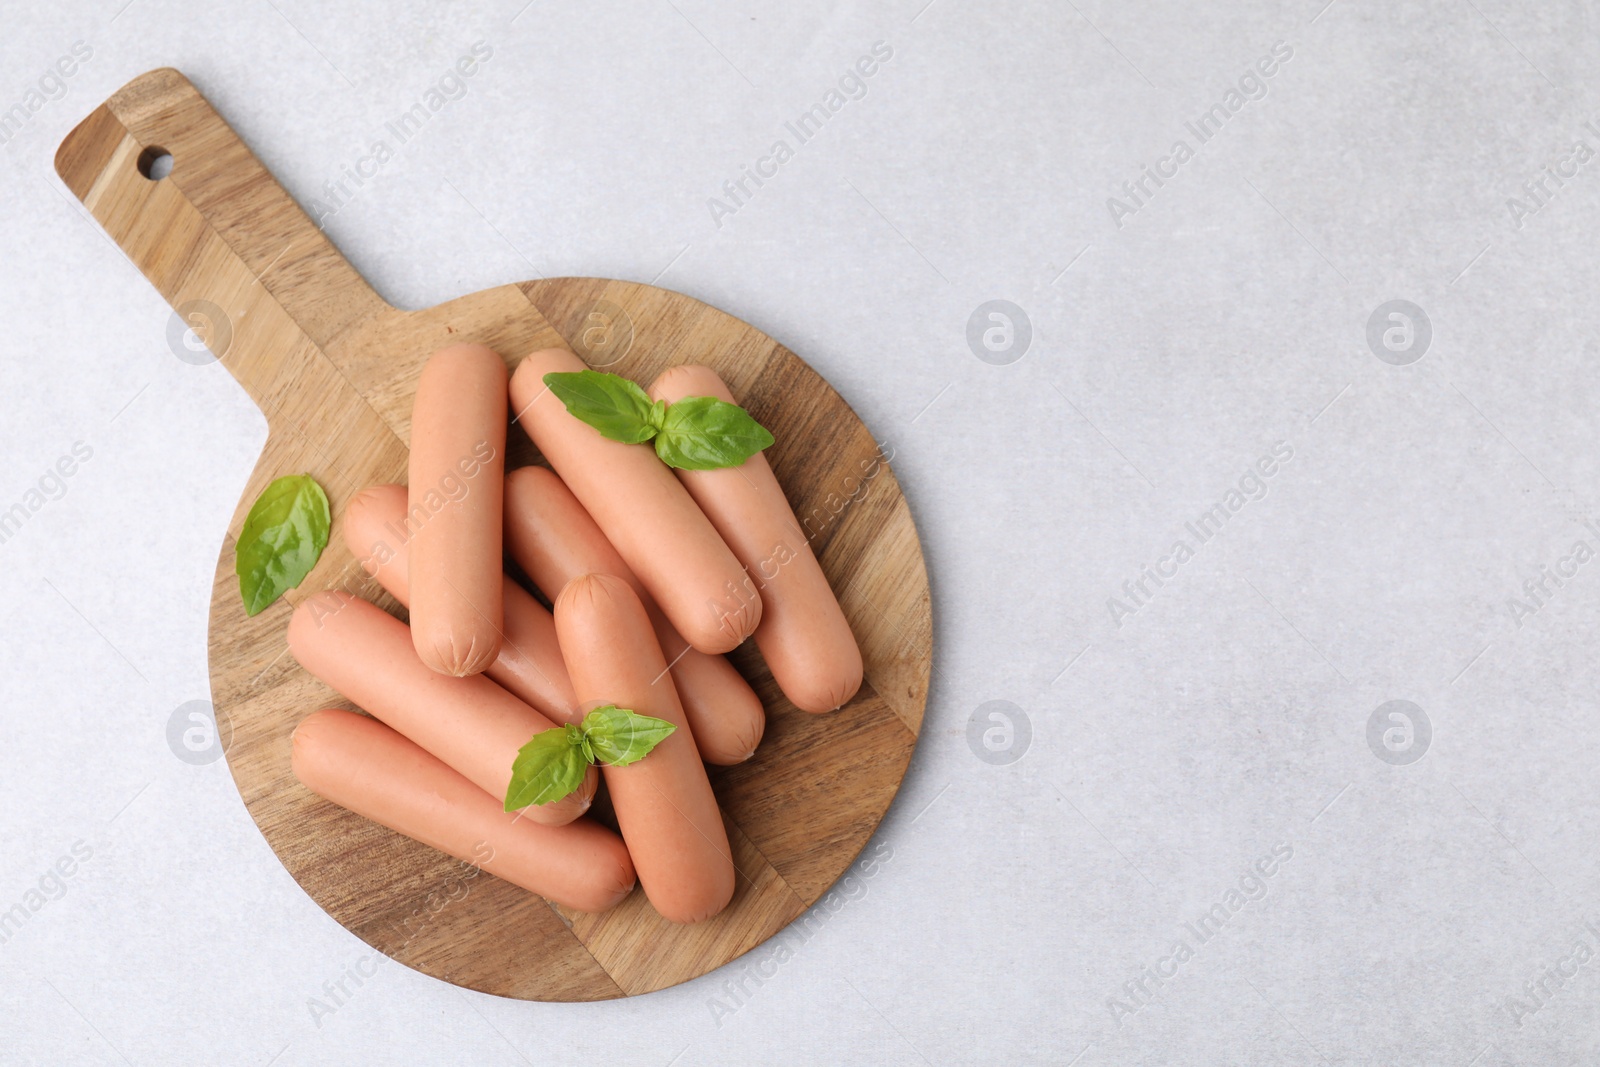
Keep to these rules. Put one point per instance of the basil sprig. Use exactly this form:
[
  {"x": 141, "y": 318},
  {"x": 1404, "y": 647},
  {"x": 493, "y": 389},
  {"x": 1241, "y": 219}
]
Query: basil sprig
[
  {"x": 697, "y": 433},
  {"x": 553, "y": 762},
  {"x": 282, "y": 538}
]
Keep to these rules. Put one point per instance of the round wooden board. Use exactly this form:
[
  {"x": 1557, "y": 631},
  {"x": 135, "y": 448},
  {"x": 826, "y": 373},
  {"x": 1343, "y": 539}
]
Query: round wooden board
[{"x": 334, "y": 368}]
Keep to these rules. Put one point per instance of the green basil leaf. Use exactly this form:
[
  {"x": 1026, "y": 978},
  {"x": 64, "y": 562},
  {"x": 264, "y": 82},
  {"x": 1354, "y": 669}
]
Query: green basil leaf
[
  {"x": 702, "y": 433},
  {"x": 282, "y": 539},
  {"x": 547, "y": 768},
  {"x": 612, "y": 404},
  {"x": 620, "y": 737}
]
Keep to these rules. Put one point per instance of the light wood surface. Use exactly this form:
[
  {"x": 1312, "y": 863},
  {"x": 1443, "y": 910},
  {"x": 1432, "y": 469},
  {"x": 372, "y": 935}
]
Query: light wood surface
[{"x": 334, "y": 368}]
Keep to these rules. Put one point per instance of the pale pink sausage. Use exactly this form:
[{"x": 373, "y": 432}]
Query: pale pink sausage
[
  {"x": 803, "y": 635},
  {"x": 363, "y": 765},
  {"x": 664, "y": 804},
  {"x": 529, "y": 664},
  {"x": 645, "y": 513},
  {"x": 470, "y": 723},
  {"x": 457, "y": 473},
  {"x": 554, "y": 540}
]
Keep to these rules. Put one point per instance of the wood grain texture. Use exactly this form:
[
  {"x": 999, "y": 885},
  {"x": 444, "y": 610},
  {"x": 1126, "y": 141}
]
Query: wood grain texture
[{"x": 334, "y": 368}]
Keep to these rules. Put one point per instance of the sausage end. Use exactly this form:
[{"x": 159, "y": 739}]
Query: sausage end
[
  {"x": 825, "y": 693},
  {"x": 689, "y": 379},
  {"x": 725, "y": 623},
  {"x": 613, "y": 887},
  {"x": 473, "y": 358},
  {"x": 689, "y": 912},
  {"x": 587, "y": 590},
  {"x": 527, "y": 381},
  {"x": 741, "y": 724},
  {"x": 456, "y": 653}
]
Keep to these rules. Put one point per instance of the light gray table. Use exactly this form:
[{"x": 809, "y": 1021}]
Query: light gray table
[{"x": 1199, "y": 831}]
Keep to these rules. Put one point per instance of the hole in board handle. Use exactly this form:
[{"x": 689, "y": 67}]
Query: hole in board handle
[{"x": 155, "y": 163}]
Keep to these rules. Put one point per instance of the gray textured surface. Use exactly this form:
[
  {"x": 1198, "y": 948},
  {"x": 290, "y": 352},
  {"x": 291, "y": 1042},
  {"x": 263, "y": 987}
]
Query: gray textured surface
[{"x": 1225, "y": 716}]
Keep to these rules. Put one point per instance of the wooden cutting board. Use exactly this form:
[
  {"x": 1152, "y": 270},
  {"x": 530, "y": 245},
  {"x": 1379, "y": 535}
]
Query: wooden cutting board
[{"x": 334, "y": 368}]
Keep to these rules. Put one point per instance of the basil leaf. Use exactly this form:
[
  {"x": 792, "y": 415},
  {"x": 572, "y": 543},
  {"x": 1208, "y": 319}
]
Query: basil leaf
[
  {"x": 696, "y": 433},
  {"x": 612, "y": 404},
  {"x": 547, "y": 768},
  {"x": 620, "y": 737},
  {"x": 282, "y": 539},
  {"x": 702, "y": 433}
]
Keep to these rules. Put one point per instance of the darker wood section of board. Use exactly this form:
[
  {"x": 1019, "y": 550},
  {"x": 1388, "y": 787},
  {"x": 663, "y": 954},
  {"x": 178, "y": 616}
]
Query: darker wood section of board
[
  {"x": 84, "y": 155},
  {"x": 643, "y": 952},
  {"x": 811, "y": 811}
]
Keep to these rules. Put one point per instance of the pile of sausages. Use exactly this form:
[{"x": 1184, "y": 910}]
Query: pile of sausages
[{"x": 653, "y": 574}]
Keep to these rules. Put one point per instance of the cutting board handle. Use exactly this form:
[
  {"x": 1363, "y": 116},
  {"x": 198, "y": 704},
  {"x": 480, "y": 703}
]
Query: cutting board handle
[{"x": 218, "y": 237}]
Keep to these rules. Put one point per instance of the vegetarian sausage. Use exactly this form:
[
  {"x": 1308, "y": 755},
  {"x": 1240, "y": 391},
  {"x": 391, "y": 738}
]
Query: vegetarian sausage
[
  {"x": 552, "y": 538},
  {"x": 457, "y": 471},
  {"x": 470, "y": 723},
  {"x": 529, "y": 663},
  {"x": 803, "y": 635},
  {"x": 361, "y": 764},
  {"x": 644, "y": 511},
  {"x": 664, "y": 804}
]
